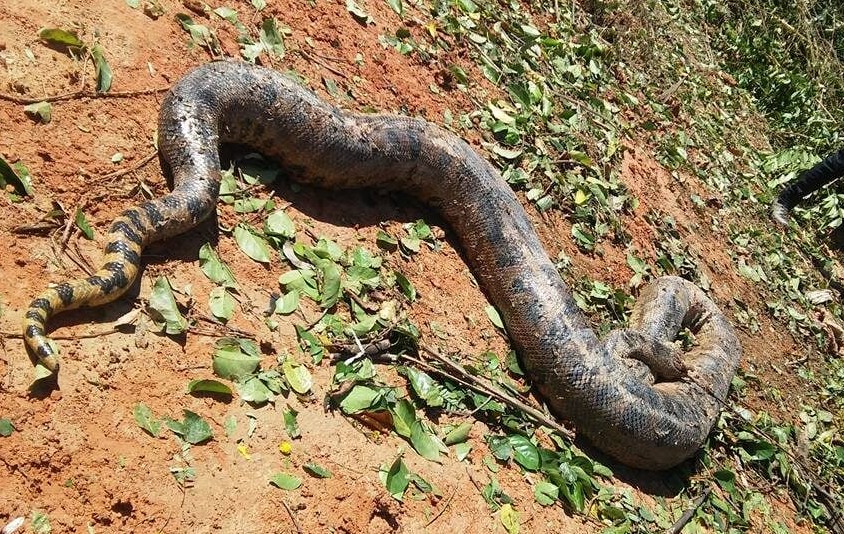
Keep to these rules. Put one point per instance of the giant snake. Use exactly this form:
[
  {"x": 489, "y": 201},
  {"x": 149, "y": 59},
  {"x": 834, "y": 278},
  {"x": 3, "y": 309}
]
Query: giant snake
[{"x": 635, "y": 394}]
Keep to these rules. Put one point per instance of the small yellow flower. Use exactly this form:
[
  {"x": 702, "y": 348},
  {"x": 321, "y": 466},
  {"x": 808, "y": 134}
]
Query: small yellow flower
[
  {"x": 243, "y": 449},
  {"x": 285, "y": 447}
]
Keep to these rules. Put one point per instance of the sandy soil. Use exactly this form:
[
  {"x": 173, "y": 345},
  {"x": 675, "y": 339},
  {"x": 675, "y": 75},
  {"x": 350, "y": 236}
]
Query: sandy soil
[{"x": 78, "y": 454}]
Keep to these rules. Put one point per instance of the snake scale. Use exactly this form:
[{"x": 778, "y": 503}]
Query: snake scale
[{"x": 634, "y": 394}]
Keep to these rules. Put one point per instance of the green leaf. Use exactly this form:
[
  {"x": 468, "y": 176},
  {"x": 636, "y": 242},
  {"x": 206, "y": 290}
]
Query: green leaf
[
  {"x": 358, "y": 12},
  {"x": 288, "y": 303},
  {"x": 193, "y": 429},
  {"x": 285, "y": 481},
  {"x": 254, "y": 391},
  {"x": 258, "y": 4},
  {"x": 221, "y": 304},
  {"x": 103, "y": 71},
  {"x": 358, "y": 276},
  {"x": 406, "y": 286},
  {"x": 252, "y": 245},
  {"x": 208, "y": 386},
  {"x": 228, "y": 187},
  {"x": 524, "y": 452},
  {"x": 134, "y": 4},
  {"x": 494, "y": 316},
  {"x": 397, "y": 6},
  {"x": 462, "y": 450},
  {"x": 404, "y": 416},
  {"x": 18, "y": 177},
  {"x": 271, "y": 39},
  {"x": 500, "y": 447},
  {"x": 6, "y": 427},
  {"x": 412, "y": 244},
  {"x": 82, "y": 224},
  {"x": 360, "y": 398},
  {"x": 310, "y": 342},
  {"x": 330, "y": 283},
  {"x": 226, "y": 13},
  {"x": 317, "y": 470},
  {"x": 230, "y": 361},
  {"x": 145, "y": 420},
  {"x": 230, "y": 425},
  {"x": 214, "y": 268},
  {"x": 425, "y": 387},
  {"x": 459, "y": 434},
  {"x": 509, "y": 518},
  {"x": 397, "y": 480},
  {"x": 546, "y": 493},
  {"x": 580, "y": 197},
  {"x": 273, "y": 380},
  {"x": 298, "y": 376},
  {"x": 249, "y": 205},
  {"x": 40, "y": 523},
  {"x": 291, "y": 425},
  {"x": 424, "y": 441},
  {"x": 42, "y": 111},
  {"x": 57, "y": 36},
  {"x": 280, "y": 224},
  {"x": 165, "y": 312},
  {"x": 302, "y": 280},
  {"x": 506, "y": 153},
  {"x": 199, "y": 34},
  {"x": 386, "y": 241}
]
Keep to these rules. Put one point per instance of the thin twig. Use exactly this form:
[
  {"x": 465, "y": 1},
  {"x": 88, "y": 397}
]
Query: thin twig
[
  {"x": 128, "y": 170},
  {"x": 323, "y": 64},
  {"x": 688, "y": 514},
  {"x": 445, "y": 506},
  {"x": 478, "y": 384},
  {"x": 368, "y": 306},
  {"x": 292, "y": 517},
  {"x": 80, "y": 94}
]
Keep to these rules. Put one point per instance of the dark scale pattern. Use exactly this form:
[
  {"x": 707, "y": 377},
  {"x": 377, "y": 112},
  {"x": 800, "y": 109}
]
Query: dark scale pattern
[
  {"x": 631, "y": 411},
  {"x": 65, "y": 293},
  {"x": 127, "y": 232},
  {"x": 42, "y": 304},
  {"x": 134, "y": 218},
  {"x": 116, "y": 280},
  {"x": 121, "y": 247},
  {"x": 153, "y": 213}
]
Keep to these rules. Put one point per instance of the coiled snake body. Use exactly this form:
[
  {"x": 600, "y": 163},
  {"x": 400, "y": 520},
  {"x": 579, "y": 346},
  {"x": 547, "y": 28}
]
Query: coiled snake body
[{"x": 634, "y": 395}]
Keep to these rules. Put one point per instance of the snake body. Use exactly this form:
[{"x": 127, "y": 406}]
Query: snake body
[{"x": 634, "y": 395}]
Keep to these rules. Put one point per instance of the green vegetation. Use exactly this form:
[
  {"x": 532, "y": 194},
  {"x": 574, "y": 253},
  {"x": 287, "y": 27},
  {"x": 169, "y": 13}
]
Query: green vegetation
[
  {"x": 740, "y": 95},
  {"x": 737, "y": 95}
]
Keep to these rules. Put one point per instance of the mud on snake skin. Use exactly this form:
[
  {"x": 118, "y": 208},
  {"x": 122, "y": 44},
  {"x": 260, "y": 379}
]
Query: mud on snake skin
[{"x": 634, "y": 394}]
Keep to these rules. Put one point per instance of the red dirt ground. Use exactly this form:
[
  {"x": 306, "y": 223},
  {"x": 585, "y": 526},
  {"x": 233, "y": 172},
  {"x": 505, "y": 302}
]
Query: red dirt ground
[{"x": 78, "y": 454}]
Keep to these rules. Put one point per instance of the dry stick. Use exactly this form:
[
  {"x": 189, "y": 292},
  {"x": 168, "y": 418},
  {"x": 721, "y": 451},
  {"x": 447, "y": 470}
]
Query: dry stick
[
  {"x": 445, "y": 507},
  {"x": 80, "y": 94},
  {"x": 368, "y": 306},
  {"x": 292, "y": 517},
  {"x": 122, "y": 172},
  {"x": 323, "y": 64},
  {"x": 688, "y": 514},
  {"x": 226, "y": 328},
  {"x": 479, "y": 385}
]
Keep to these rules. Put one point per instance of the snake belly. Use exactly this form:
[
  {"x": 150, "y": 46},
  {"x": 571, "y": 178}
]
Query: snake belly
[{"x": 634, "y": 395}]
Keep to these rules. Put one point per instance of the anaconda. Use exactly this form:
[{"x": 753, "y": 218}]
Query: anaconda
[{"x": 634, "y": 395}]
